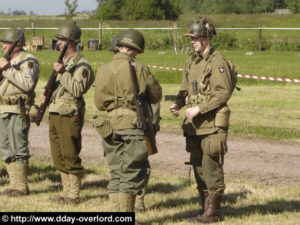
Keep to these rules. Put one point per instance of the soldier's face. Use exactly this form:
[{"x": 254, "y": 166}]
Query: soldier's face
[
  {"x": 200, "y": 43},
  {"x": 6, "y": 46},
  {"x": 61, "y": 42}
]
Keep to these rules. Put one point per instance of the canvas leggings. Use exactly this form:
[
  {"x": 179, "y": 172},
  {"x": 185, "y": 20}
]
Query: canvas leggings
[
  {"x": 127, "y": 158},
  {"x": 207, "y": 159},
  {"x": 13, "y": 138}
]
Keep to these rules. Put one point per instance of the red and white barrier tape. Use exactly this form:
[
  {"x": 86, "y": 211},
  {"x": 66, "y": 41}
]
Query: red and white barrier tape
[{"x": 290, "y": 80}]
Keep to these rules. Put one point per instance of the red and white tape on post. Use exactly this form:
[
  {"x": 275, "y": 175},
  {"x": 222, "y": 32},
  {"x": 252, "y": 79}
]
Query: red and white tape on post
[{"x": 289, "y": 80}]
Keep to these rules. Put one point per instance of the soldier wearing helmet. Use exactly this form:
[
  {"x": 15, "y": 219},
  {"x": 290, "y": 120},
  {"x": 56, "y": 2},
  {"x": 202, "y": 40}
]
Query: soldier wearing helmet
[
  {"x": 206, "y": 87},
  {"x": 19, "y": 73},
  {"x": 123, "y": 143},
  {"x": 66, "y": 113}
]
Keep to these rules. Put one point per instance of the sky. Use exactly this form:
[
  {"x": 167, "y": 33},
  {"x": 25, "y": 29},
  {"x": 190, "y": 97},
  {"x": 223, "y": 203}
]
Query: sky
[{"x": 45, "y": 7}]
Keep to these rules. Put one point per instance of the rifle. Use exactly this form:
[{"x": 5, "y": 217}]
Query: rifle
[
  {"x": 50, "y": 87},
  {"x": 143, "y": 110},
  {"x": 7, "y": 55}
]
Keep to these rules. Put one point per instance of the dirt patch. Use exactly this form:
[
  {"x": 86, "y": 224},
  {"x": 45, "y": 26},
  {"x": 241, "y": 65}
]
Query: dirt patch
[{"x": 269, "y": 162}]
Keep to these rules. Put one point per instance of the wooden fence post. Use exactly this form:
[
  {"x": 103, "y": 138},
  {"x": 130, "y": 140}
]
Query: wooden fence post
[
  {"x": 259, "y": 38},
  {"x": 175, "y": 38},
  {"x": 100, "y": 37},
  {"x": 33, "y": 30}
]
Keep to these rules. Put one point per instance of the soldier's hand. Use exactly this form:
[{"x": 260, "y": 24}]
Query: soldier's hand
[
  {"x": 4, "y": 64},
  {"x": 192, "y": 112},
  {"x": 42, "y": 98},
  {"x": 59, "y": 67},
  {"x": 174, "y": 109}
]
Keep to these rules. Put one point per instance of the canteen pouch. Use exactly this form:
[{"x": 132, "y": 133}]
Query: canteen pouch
[
  {"x": 33, "y": 112},
  {"x": 222, "y": 117},
  {"x": 103, "y": 127}
]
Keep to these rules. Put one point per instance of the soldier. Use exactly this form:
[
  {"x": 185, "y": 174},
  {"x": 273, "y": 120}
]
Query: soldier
[
  {"x": 139, "y": 201},
  {"x": 206, "y": 83},
  {"x": 19, "y": 78},
  {"x": 66, "y": 113},
  {"x": 123, "y": 143}
]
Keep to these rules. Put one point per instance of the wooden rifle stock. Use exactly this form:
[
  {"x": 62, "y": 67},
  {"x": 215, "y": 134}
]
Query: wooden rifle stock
[
  {"x": 50, "y": 87},
  {"x": 7, "y": 55},
  {"x": 144, "y": 114}
]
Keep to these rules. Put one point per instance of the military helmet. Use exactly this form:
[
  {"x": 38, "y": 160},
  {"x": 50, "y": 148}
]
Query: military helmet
[
  {"x": 65, "y": 30},
  {"x": 132, "y": 38},
  {"x": 12, "y": 35},
  {"x": 202, "y": 27},
  {"x": 113, "y": 43}
]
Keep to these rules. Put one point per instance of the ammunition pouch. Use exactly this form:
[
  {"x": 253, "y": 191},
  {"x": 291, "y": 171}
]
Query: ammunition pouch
[
  {"x": 103, "y": 127},
  {"x": 222, "y": 117},
  {"x": 13, "y": 99}
]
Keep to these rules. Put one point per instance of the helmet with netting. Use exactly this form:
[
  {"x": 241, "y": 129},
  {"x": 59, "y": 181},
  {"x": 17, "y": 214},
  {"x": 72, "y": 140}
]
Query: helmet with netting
[{"x": 201, "y": 27}]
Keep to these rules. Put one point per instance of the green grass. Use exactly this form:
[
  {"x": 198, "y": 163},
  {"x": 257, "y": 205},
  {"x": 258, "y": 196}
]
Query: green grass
[
  {"x": 170, "y": 199},
  {"x": 267, "y": 109}
]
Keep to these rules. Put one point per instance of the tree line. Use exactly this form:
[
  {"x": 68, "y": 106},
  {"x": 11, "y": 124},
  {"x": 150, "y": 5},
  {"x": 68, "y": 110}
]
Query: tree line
[{"x": 171, "y": 9}]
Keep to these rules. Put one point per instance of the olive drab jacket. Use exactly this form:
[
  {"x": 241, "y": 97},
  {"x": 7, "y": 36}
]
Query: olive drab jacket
[
  {"x": 214, "y": 89},
  {"x": 114, "y": 91},
  {"x": 19, "y": 81},
  {"x": 67, "y": 99}
]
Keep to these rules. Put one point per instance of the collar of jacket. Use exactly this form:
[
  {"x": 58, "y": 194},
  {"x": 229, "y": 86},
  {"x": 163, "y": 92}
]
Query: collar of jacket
[
  {"x": 70, "y": 59},
  {"x": 122, "y": 55}
]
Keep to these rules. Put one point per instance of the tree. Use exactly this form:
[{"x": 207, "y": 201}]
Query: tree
[
  {"x": 71, "y": 8},
  {"x": 293, "y": 5},
  {"x": 138, "y": 9}
]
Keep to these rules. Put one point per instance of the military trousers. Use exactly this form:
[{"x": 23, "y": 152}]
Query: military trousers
[
  {"x": 127, "y": 157},
  {"x": 14, "y": 138},
  {"x": 65, "y": 142},
  {"x": 207, "y": 159}
]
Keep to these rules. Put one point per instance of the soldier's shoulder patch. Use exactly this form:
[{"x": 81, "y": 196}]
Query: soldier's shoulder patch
[
  {"x": 85, "y": 73},
  {"x": 30, "y": 65},
  {"x": 221, "y": 68}
]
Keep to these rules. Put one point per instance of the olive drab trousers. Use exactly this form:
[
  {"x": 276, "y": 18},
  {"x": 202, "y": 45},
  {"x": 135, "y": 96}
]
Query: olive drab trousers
[
  {"x": 65, "y": 142},
  {"x": 13, "y": 138},
  {"x": 127, "y": 157},
  {"x": 207, "y": 158}
]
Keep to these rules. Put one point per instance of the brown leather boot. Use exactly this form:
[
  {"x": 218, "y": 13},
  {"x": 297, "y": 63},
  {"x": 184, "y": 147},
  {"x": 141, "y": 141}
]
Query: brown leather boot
[
  {"x": 204, "y": 203},
  {"x": 212, "y": 213}
]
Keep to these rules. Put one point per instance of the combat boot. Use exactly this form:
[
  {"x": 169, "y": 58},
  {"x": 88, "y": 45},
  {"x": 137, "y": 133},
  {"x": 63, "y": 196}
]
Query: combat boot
[
  {"x": 74, "y": 189},
  {"x": 127, "y": 202},
  {"x": 212, "y": 213},
  {"x": 139, "y": 200},
  {"x": 66, "y": 188},
  {"x": 21, "y": 186},
  {"x": 204, "y": 204},
  {"x": 12, "y": 177},
  {"x": 114, "y": 202}
]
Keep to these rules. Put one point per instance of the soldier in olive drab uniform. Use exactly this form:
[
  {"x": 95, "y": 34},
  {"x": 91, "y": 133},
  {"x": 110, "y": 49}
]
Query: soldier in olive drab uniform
[
  {"x": 139, "y": 201},
  {"x": 66, "y": 113},
  {"x": 206, "y": 84},
  {"x": 19, "y": 78},
  {"x": 125, "y": 146}
]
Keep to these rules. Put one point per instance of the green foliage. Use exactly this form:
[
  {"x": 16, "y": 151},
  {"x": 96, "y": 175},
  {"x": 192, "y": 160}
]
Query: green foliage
[
  {"x": 225, "y": 41},
  {"x": 232, "y": 6},
  {"x": 71, "y": 7},
  {"x": 139, "y": 9},
  {"x": 293, "y": 5}
]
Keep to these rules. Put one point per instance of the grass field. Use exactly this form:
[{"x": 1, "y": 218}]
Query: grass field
[{"x": 170, "y": 199}]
